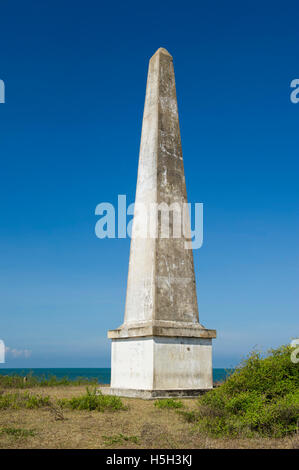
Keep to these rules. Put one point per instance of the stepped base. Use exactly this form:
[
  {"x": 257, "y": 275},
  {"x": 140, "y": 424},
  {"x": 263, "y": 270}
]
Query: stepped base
[
  {"x": 152, "y": 394},
  {"x": 161, "y": 328}
]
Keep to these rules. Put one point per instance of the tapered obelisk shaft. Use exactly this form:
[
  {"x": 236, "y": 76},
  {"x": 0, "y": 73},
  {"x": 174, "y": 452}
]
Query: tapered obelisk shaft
[{"x": 161, "y": 281}]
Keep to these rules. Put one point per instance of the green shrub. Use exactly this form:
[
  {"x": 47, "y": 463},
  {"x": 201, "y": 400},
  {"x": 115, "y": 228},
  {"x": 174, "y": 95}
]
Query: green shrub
[
  {"x": 189, "y": 416},
  {"x": 261, "y": 398},
  {"x": 93, "y": 401},
  {"x": 36, "y": 401},
  {"x": 168, "y": 403},
  {"x": 274, "y": 375}
]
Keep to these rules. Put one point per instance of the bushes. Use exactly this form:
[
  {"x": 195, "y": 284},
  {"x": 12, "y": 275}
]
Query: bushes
[
  {"x": 93, "y": 401},
  {"x": 273, "y": 376},
  {"x": 260, "y": 398}
]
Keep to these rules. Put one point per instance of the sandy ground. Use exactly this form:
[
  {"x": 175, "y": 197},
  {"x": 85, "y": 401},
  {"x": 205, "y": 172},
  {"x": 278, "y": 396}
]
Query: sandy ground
[{"x": 141, "y": 426}]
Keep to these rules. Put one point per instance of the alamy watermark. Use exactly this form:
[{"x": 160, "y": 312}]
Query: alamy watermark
[
  {"x": 12, "y": 353},
  {"x": 151, "y": 220},
  {"x": 2, "y": 92},
  {"x": 295, "y": 353},
  {"x": 2, "y": 351},
  {"x": 294, "y": 96}
]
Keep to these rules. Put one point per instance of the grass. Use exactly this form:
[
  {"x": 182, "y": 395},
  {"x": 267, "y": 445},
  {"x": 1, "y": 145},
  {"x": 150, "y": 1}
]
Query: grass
[
  {"x": 256, "y": 407},
  {"x": 169, "y": 403},
  {"x": 261, "y": 398},
  {"x": 92, "y": 401},
  {"x": 89, "y": 401},
  {"x": 18, "y": 432},
  {"x": 120, "y": 439},
  {"x": 84, "y": 429},
  {"x": 189, "y": 416},
  {"x": 30, "y": 381},
  {"x": 19, "y": 400}
]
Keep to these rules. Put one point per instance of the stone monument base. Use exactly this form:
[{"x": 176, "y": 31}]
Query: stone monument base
[
  {"x": 160, "y": 366},
  {"x": 152, "y": 394}
]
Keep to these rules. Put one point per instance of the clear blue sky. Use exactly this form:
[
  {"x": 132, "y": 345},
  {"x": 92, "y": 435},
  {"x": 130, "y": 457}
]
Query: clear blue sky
[{"x": 75, "y": 75}]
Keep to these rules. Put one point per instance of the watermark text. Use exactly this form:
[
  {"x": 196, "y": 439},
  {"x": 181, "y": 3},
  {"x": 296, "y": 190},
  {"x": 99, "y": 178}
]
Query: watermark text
[
  {"x": 2, "y": 92},
  {"x": 294, "y": 96},
  {"x": 151, "y": 220}
]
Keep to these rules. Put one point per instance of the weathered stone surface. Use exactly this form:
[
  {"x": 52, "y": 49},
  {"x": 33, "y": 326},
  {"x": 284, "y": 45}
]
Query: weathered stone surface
[
  {"x": 162, "y": 363},
  {"x": 161, "y": 349},
  {"x": 161, "y": 280},
  {"x": 152, "y": 394},
  {"x": 161, "y": 328}
]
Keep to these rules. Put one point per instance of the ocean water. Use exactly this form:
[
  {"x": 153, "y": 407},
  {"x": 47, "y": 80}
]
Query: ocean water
[{"x": 102, "y": 374}]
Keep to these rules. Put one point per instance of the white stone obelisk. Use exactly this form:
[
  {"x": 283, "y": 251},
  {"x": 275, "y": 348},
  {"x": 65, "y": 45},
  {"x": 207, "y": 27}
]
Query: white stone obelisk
[{"x": 161, "y": 349}]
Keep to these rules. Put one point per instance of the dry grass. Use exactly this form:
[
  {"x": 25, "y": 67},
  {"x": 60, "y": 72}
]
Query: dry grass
[{"x": 142, "y": 426}]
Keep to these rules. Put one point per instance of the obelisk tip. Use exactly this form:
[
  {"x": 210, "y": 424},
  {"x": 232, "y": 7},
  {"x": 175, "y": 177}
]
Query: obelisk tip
[{"x": 161, "y": 50}]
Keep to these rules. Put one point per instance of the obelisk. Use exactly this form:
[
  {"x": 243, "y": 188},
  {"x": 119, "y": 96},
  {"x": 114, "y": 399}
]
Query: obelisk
[{"x": 161, "y": 349}]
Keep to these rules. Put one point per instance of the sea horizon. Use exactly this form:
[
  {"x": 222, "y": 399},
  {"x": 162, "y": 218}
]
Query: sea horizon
[{"x": 103, "y": 374}]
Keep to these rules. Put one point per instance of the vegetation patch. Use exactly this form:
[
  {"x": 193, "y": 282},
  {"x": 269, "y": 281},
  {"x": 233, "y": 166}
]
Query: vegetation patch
[
  {"x": 92, "y": 400},
  {"x": 261, "y": 398},
  {"x": 17, "y": 432},
  {"x": 120, "y": 439},
  {"x": 30, "y": 381},
  {"x": 23, "y": 400},
  {"x": 189, "y": 416},
  {"x": 169, "y": 403}
]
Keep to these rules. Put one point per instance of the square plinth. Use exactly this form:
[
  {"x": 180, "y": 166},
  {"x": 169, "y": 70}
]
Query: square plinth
[{"x": 160, "y": 366}]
